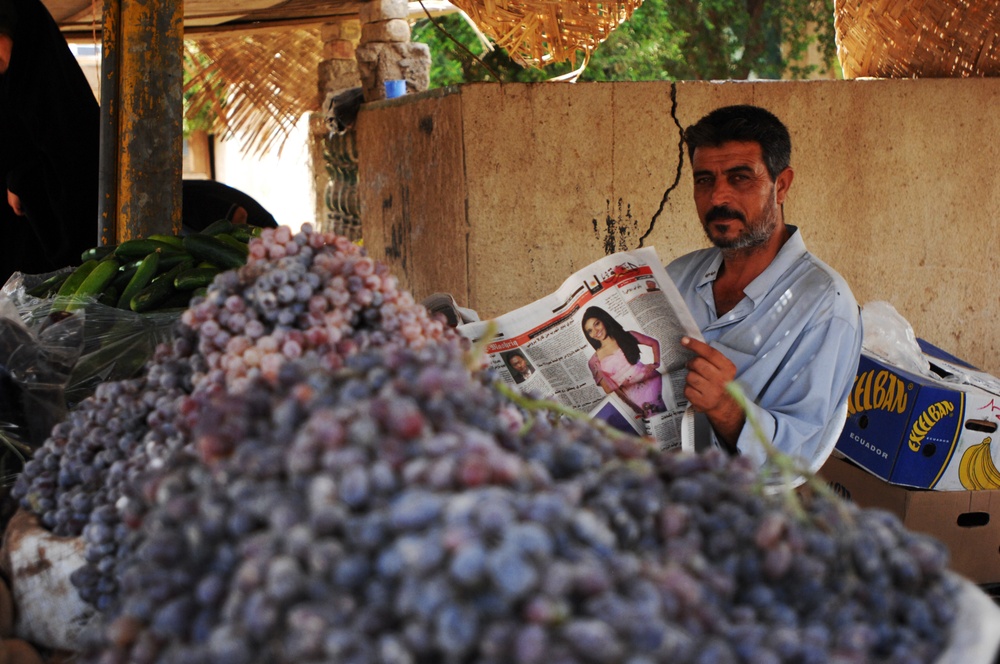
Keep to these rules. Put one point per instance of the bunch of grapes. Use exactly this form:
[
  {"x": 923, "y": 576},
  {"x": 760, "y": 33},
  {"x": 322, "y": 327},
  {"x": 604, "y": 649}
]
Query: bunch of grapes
[
  {"x": 309, "y": 295},
  {"x": 76, "y": 480},
  {"x": 400, "y": 509}
]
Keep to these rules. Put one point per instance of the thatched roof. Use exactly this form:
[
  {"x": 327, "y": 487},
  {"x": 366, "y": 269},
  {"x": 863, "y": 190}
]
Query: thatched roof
[
  {"x": 540, "y": 32},
  {"x": 920, "y": 38},
  {"x": 77, "y": 16},
  {"x": 257, "y": 60},
  {"x": 268, "y": 80}
]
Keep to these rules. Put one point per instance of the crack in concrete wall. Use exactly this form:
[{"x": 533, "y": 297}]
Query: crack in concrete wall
[
  {"x": 680, "y": 164},
  {"x": 619, "y": 225}
]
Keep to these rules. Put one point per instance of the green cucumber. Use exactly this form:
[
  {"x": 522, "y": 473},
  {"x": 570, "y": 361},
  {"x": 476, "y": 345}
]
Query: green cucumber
[
  {"x": 196, "y": 277},
  {"x": 97, "y": 280},
  {"x": 158, "y": 291},
  {"x": 109, "y": 297},
  {"x": 97, "y": 253},
  {"x": 234, "y": 243},
  {"x": 241, "y": 232},
  {"x": 76, "y": 278},
  {"x": 125, "y": 274},
  {"x": 169, "y": 261},
  {"x": 144, "y": 273},
  {"x": 218, "y": 226},
  {"x": 175, "y": 241},
  {"x": 133, "y": 249},
  {"x": 49, "y": 286},
  {"x": 215, "y": 251}
]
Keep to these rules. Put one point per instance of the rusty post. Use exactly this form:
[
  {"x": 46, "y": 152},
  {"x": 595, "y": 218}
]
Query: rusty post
[
  {"x": 149, "y": 109},
  {"x": 108, "y": 174}
]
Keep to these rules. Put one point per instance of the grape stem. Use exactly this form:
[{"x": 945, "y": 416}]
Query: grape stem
[
  {"x": 788, "y": 467},
  {"x": 475, "y": 359},
  {"x": 533, "y": 405},
  {"x": 10, "y": 445}
]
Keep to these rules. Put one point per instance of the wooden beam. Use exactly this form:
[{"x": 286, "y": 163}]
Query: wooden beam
[
  {"x": 141, "y": 169},
  {"x": 110, "y": 129}
]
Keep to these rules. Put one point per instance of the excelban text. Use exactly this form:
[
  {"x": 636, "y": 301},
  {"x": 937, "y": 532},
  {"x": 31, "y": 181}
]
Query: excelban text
[
  {"x": 877, "y": 390},
  {"x": 927, "y": 420}
]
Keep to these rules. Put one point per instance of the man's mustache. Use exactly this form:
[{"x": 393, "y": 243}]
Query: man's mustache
[{"x": 723, "y": 212}]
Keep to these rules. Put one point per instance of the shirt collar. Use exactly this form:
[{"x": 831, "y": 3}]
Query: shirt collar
[
  {"x": 793, "y": 249},
  {"x": 790, "y": 252}
]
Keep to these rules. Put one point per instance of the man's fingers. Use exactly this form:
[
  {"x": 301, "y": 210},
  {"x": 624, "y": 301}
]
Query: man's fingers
[
  {"x": 709, "y": 361},
  {"x": 703, "y": 350},
  {"x": 701, "y": 392},
  {"x": 699, "y": 366}
]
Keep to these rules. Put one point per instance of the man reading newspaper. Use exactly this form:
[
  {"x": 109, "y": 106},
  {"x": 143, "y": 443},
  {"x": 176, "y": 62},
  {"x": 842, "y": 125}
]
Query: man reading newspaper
[
  {"x": 776, "y": 319},
  {"x": 628, "y": 344}
]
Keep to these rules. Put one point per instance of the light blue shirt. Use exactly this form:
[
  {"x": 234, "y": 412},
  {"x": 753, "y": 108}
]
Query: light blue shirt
[{"x": 795, "y": 339}]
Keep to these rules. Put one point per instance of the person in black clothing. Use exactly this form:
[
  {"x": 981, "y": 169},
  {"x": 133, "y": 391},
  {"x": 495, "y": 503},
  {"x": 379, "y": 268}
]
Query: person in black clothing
[
  {"x": 49, "y": 145},
  {"x": 205, "y": 201}
]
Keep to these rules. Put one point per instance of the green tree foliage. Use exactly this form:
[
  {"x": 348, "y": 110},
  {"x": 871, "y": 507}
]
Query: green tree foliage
[
  {"x": 664, "y": 40},
  {"x": 204, "y": 91}
]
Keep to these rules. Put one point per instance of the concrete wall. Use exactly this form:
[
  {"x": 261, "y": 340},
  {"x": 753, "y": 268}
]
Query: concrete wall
[{"x": 496, "y": 193}]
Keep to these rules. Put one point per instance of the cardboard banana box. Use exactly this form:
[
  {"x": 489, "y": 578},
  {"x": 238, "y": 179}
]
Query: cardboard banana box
[
  {"x": 936, "y": 431},
  {"x": 968, "y": 522}
]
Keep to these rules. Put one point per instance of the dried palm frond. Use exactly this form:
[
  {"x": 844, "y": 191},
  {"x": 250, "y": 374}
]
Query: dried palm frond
[
  {"x": 258, "y": 84},
  {"x": 541, "y": 32},
  {"x": 918, "y": 38}
]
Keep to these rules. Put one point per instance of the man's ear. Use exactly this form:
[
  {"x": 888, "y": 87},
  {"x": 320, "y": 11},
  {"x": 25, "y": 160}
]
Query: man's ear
[{"x": 782, "y": 184}]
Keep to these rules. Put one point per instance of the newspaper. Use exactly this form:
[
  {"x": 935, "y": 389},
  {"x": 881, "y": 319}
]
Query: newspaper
[{"x": 606, "y": 343}]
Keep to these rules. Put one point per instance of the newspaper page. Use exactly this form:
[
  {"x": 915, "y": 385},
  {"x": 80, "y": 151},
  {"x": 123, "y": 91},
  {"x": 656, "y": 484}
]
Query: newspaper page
[{"x": 606, "y": 343}]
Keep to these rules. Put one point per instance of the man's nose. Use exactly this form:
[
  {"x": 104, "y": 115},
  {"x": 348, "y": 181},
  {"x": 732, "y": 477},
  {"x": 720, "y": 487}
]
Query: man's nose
[{"x": 721, "y": 194}]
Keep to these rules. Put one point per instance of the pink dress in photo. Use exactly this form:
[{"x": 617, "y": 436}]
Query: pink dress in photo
[{"x": 646, "y": 393}]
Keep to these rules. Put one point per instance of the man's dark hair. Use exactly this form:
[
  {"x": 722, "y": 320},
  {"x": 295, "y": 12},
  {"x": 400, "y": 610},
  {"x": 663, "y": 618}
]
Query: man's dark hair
[{"x": 747, "y": 124}]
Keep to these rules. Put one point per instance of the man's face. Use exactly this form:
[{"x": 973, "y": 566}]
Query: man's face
[
  {"x": 737, "y": 201},
  {"x": 519, "y": 363}
]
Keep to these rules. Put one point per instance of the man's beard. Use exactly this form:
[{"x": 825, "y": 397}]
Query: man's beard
[{"x": 757, "y": 232}]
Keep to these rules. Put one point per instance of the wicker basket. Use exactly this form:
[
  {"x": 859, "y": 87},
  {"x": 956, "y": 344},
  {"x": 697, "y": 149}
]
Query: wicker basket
[
  {"x": 541, "y": 32},
  {"x": 918, "y": 38}
]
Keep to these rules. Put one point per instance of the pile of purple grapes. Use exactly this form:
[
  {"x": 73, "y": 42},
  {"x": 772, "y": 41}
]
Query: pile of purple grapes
[{"x": 311, "y": 472}]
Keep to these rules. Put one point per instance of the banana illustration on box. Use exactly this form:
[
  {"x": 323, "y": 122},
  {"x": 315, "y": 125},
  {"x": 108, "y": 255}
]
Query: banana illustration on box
[{"x": 977, "y": 471}]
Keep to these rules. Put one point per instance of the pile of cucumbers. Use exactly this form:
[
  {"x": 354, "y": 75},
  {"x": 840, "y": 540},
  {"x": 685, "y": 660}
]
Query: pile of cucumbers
[{"x": 154, "y": 273}]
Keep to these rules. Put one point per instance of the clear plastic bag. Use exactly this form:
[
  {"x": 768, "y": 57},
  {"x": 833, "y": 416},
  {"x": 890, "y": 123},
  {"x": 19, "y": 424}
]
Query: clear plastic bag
[
  {"x": 890, "y": 336},
  {"x": 51, "y": 359}
]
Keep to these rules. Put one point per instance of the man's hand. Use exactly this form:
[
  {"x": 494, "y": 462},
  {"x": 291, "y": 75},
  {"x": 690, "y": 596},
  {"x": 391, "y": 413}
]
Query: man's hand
[
  {"x": 708, "y": 373},
  {"x": 15, "y": 203}
]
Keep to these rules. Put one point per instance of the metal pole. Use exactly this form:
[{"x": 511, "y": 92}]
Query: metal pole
[
  {"x": 150, "y": 110},
  {"x": 108, "y": 174}
]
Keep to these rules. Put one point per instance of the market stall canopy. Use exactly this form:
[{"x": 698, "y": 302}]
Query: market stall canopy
[
  {"x": 81, "y": 16},
  {"x": 266, "y": 54},
  {"x": 918, "y": 38}
]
